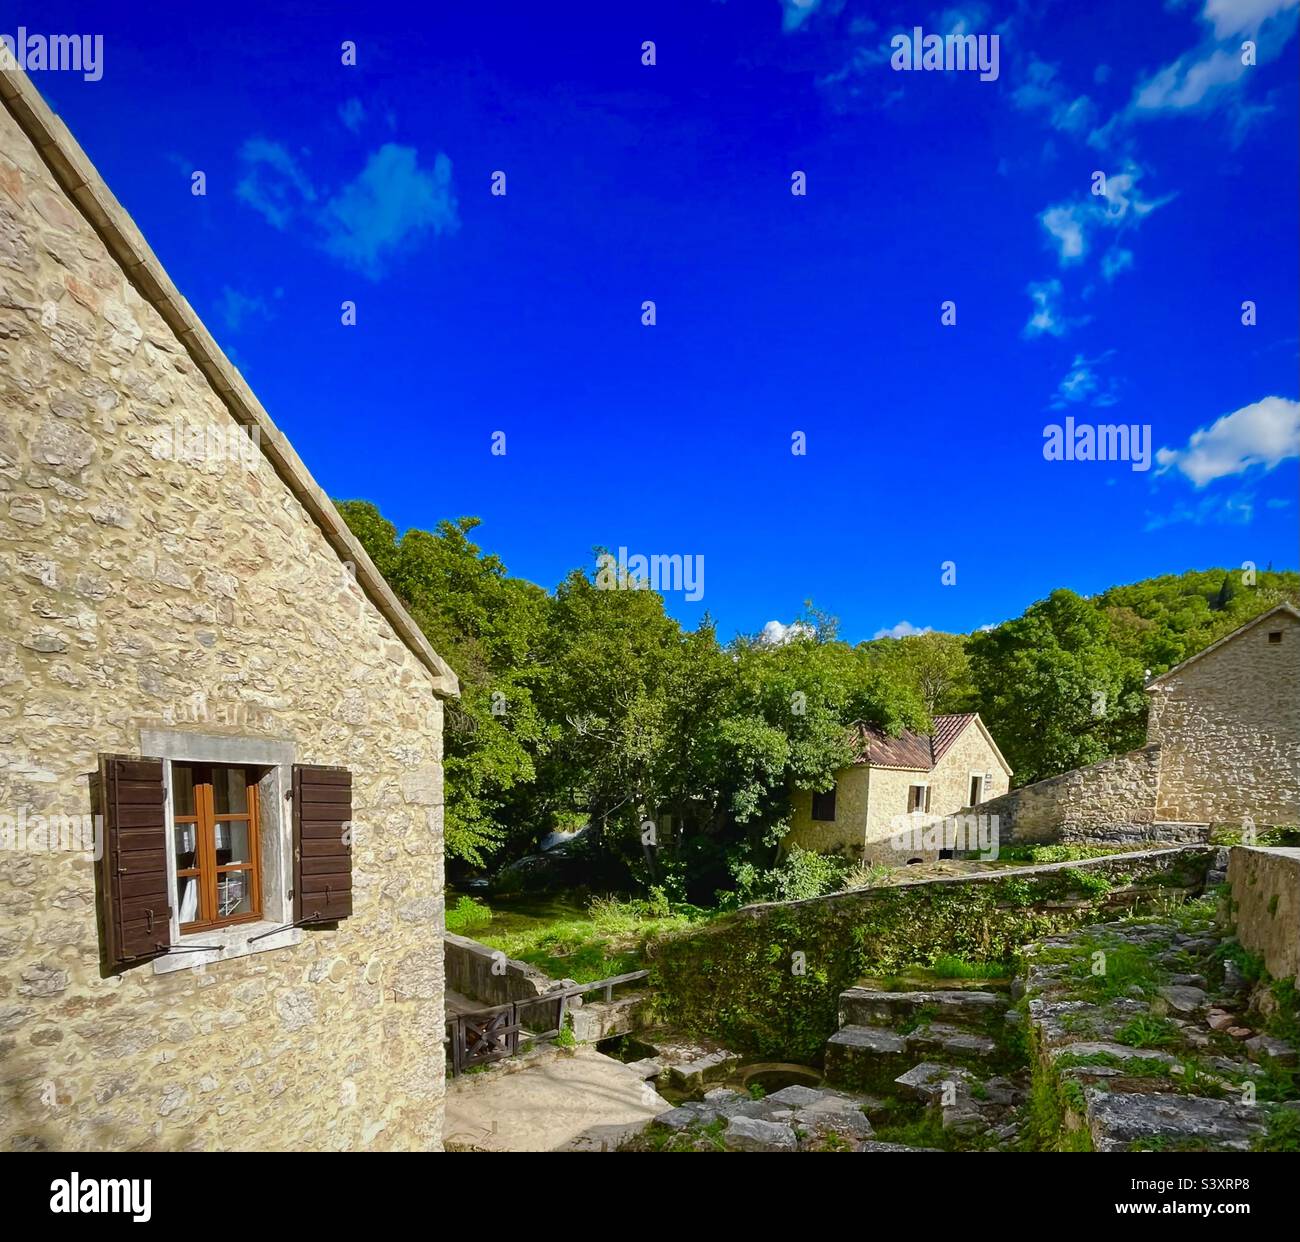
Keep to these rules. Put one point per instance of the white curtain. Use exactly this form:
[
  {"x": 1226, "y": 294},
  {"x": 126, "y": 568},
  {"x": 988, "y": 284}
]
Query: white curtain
[{"x": 189, "y": 900}]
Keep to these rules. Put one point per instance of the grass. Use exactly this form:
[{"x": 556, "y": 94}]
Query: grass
[
  {"x": 1145, "y": 1031},
  {"x": 468, "y": 913},
  {"x": 1059, "y": 853},
  {"x": 567, "y": 940},
  {"x": 1283, "y": 1132},
  {"x": 1105, "y": 967},
  {"x": 949, "y": 966}
]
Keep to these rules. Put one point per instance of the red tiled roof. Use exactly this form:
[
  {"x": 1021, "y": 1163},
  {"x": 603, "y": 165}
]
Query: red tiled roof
[
  {"x": 914, "y": 751},
  {"x": 947, "y": 729}
]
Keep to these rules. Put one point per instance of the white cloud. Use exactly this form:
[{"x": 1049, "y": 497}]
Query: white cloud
[
  {"x": 1263, "y": 434},
  {"x": 1236, "y": 509},
  {"x": 387, "y": 207},
  {"x": 352, "y": 114},
  {"x": 1043, "y": 91},
  {"x": 1232, "y": 17},
  {"x": 795, "y": 12},
  {"x": 1120, "y": 207},
  {"x": 272, "y": 183},
  {"x": 1047, "y": 319},
  {"x": 904, "y": 629},
  {"x": 777, "y": 634},
  {"x": 1084, "y": 383},
  {"x": 1212, "y": 73},
  {"x": 235, "y": 307},
  {"x": 1188, "y": 81},
  {"x": 1114, "y": 261},
  {"x": 389, "y": 204}
]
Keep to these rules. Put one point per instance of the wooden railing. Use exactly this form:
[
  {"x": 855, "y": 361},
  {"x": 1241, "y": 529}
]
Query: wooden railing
[{"x": 482, "y": 1036}]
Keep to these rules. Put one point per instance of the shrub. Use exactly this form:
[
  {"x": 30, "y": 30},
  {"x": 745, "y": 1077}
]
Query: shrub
[
  {"x": 466, "y": 913},
  {"x": 800, "y": 875}
]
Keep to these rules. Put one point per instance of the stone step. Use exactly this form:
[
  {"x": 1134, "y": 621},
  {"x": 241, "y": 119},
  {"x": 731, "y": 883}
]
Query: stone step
[
  {"x": 954, "y": 1041},
  {"x": 1116, "y": 1120},
  {"x": 870, "y": 1057},
  {"x": 867, "y": 1007},
  {"x": 865, "y": 1057},
  {"x": 711, "y": 1067}
]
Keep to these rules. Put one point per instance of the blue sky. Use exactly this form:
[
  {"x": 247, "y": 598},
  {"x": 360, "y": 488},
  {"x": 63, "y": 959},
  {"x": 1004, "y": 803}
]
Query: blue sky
[{"x": 775, "y": 313}]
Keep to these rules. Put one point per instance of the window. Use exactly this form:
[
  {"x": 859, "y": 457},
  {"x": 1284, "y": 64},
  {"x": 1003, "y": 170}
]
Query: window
[
  {"x": 215, "y": 831},
  {"x": 918, "y": 798},
  {"x": 976, "y": 790},
  {"x": 1275, "y": 636},
  {"x": 823, "y": 807}
]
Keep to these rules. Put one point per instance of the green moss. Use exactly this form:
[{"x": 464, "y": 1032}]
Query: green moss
[{"x": 767, "y": 979}]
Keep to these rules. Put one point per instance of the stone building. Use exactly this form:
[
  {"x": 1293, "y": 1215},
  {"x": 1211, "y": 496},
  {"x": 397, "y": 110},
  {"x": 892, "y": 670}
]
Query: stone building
[
  {"x": 1223, "y": 747},
  {"x": 221, "y": 800},
  {"x": 898, "y": 782}
]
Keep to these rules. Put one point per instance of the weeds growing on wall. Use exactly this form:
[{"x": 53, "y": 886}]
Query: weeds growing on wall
[{"x": 767, "y": 979}]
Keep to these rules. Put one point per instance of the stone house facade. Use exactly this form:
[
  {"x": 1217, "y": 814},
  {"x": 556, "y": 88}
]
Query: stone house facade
[
  {"x": 895, "y": 782},
  {"x": 221, "y": 787},
  {"x": 1223, "y": 747}
]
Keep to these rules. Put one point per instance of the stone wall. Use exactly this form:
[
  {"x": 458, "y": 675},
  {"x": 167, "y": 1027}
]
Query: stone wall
[
  {"x": 1229, "y": 728},
  {"x": 1266, "y": 906},
  {"x": 150, "y": 589},
  {"x": 1111, "y": 801},
  {"x": 482, "y": 974},
  {"x": 767, "y": 978},
  {"x": 847, "y": 833}
]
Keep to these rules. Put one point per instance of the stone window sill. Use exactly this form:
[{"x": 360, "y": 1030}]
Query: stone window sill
[{"x": 227, "y": 942}]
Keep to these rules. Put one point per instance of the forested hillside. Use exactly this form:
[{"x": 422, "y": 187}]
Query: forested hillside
[{"x": 584, "y": 705}]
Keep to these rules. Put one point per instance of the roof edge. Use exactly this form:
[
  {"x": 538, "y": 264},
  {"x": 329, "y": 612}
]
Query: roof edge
[
  {"x": 1284, "y": 606},
  {"x": 77, "y": 177},
  {"x": 997, "y": 752}
]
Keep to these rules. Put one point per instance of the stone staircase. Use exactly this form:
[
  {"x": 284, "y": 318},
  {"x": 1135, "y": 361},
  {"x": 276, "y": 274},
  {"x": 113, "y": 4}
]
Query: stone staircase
[
  {"x": 945, "y": 1048},
  {"x": 883, "y": 1034}
]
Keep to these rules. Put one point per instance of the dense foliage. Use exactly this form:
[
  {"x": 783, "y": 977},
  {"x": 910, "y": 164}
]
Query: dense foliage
[{"x": 594, "y": 706}]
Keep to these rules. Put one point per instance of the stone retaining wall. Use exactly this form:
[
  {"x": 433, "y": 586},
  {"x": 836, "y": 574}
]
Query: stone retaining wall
[
  {"x": 1266, "y": 905},
  {"x": 1111, "y": 802},
  {"x": 767, "y": 978}
]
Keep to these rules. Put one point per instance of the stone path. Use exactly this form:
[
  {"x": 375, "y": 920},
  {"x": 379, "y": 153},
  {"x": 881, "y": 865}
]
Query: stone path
[
  {"x": 556, "y": 1100},
  {"x": 1175, "y": 1060}
]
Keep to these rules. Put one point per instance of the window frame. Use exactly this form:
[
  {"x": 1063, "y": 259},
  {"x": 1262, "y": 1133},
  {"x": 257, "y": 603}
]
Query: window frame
[
  {"x": 924, "y": 808},
  {"x": 276, "y": 758},
  {"x": 207, "y": 870},
  {"x": 824, "y": 793}
]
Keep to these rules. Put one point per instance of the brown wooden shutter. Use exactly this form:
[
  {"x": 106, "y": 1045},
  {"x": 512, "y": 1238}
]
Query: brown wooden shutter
[
  {"x": 134, "y": 884},
  {"x": 322, "y": 843}
]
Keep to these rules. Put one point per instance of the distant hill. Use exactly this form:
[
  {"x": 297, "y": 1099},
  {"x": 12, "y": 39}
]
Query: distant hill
[{"x": 1162, "y": 621}]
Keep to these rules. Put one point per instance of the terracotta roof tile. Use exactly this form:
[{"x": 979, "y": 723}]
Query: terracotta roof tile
[{"x": 914, "y": 751}]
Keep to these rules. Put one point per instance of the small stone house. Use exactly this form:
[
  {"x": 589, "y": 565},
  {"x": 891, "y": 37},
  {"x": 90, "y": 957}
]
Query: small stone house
[
  {"x": 896, "y": 781},
  {"x": 221, "y": 786},
  {"x": 1223, "y": 747}
]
